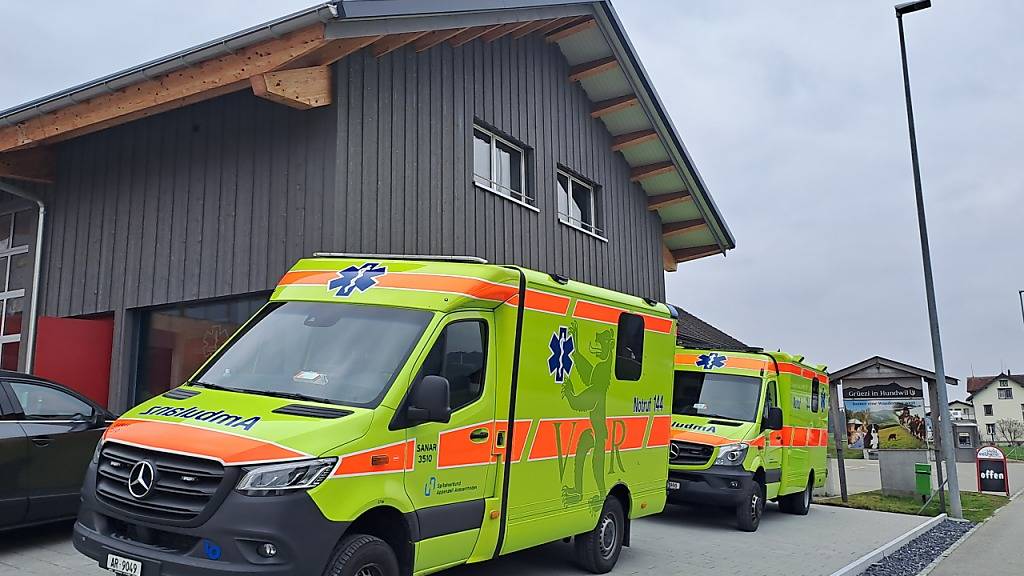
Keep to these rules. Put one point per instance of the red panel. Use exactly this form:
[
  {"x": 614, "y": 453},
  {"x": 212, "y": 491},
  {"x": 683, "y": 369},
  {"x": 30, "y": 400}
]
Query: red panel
[{"x": 76, "y": 353}]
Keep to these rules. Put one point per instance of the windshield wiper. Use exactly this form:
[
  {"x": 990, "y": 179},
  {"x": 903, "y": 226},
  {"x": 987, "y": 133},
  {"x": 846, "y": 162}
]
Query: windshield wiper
[
  {"x": 720, "y": 417},
  {"x": 293, "y": 396},
  {"x": 202, "y": 384}
]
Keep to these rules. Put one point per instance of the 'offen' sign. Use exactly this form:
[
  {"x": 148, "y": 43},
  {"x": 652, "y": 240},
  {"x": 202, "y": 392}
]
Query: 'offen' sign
[{"x": 993, "y": 475}]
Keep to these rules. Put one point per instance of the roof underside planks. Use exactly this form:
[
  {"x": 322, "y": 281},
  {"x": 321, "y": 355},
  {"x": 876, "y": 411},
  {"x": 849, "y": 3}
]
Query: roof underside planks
[{"x": 588, "y": 34}]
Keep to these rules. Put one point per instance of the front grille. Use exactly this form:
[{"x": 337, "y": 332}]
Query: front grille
[
  {"x": 690, "y": 454},
  {"x": 183, "y": 486}
]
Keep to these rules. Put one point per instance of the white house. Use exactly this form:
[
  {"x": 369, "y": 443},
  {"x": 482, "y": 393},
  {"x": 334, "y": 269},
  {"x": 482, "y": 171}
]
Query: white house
[{"x": 996, "y": 398}]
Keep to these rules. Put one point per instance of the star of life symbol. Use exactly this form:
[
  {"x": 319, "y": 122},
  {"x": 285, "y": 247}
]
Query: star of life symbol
[
  {"x": 711, "y": 360},
  {"x": 562, "y": 347},
  {"x": 354, "y": 278}
]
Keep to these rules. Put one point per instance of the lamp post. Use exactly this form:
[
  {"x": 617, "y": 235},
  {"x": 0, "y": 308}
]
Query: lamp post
[
  {"x": 1021, "y": 294},
  {"x": 945, "y": 427}
]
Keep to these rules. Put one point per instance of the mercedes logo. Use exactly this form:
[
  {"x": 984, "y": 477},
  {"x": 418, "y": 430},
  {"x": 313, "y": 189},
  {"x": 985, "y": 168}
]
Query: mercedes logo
[
  {"x": 141, "y": 478},
  {"x": 673, "y": 451}
]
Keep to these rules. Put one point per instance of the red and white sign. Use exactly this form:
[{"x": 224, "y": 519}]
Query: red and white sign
[{"x": 993, "y": 474}]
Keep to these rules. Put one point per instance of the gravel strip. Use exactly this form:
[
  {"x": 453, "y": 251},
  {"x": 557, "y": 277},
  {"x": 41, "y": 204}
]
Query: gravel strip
[{"x": 917, "y": 554}]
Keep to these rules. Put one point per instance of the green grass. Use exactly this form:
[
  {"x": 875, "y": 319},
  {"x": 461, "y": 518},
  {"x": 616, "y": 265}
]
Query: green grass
[
  {"x": 1013, "y": 452},
  {"x": 977, "y": 507},
  {"x": 904, "y": 439}
]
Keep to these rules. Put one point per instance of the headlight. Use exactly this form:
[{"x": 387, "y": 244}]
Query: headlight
[
  {"x": 731, "y": 454},
  {"x": 276, "y": 478}
]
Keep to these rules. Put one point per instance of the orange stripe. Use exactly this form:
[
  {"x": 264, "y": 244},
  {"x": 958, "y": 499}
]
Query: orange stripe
[
  {"x": 455, "y": 448},
  {"x": 757, "y": 442},
  {"x": 655, "y": 324},
  {"x": 307, "y": 277},
  {"x": 686, "y": 359},
  {"x": 661, "y": 431},
  {"x": 169, "y": 436},
  {"x": 399, "y": 458},
  {"x": 598, "y": 312},
  {"x": 699, "y": 438},
  {"x": 558, "y": 437},
  {"x": 544, "y": 302},
  {"x": 473, "y": 288},
  {"x": 627, "y": 433},
  {"x": 746, "y": 363},
  {"x": 799, "y": 436}
]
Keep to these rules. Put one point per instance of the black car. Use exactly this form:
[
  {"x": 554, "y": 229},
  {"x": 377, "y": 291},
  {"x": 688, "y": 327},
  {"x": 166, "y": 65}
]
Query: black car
[{"x": 47, "y": 437}]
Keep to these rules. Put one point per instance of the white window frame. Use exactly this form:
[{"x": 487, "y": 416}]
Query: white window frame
[
  {"x": 591, "y": 229},
  {"x": 523, "y": 198},
  {"x": 1008, "y": 394},
  {"x": 990, "y": 429},
  {"x": 1004, "y": 383},
  {"x": 5, "y": 296},
  {"x": 960, "y": 440}
]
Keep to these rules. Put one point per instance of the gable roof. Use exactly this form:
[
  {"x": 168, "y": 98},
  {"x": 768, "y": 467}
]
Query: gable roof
[
  {"x": 588, "y": 33},
  {"x": 979, "y": 383},
  {"x": 696, "y": 333},
  {"x": 893, "y": 364}
]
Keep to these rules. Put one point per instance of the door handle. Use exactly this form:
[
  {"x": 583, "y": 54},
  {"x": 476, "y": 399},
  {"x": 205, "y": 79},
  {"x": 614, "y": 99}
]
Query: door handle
[
  {"x": 42, "y": 440},
  {"x": 479, "y": 435}
]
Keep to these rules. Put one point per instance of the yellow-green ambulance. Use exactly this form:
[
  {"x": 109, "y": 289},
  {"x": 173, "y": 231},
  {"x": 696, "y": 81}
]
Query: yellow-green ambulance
[
  {"x": 388, "y": 415},
  {"x": 747, "y": 426}
]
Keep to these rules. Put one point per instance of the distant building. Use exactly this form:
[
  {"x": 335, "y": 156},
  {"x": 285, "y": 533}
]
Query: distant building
[
  {"x": 996, "y": 398},
  {"x": 965, "y": 430}
]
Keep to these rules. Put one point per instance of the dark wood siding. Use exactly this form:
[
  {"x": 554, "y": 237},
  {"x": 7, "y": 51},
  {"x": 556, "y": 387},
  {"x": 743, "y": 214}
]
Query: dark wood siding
[{"x": 404, "y": 163}]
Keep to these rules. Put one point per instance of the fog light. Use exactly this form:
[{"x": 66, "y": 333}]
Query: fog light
[
  {"x": 734, "y": 484},
  {"x": 267, "y": 550}
]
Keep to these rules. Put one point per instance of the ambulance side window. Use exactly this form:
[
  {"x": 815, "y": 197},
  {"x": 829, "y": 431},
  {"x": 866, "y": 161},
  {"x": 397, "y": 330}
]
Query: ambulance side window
[
  {"x": 815, "y": 395},
  {"x": 460, "y": 356},
  {"x": 771, "y": 397},
  {"x": 629, "y": 347}
]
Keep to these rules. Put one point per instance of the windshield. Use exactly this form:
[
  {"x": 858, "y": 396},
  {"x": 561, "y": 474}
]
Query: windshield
[
  {"x": 343, "y": 353},
  {"x": 716, "y": 395}
]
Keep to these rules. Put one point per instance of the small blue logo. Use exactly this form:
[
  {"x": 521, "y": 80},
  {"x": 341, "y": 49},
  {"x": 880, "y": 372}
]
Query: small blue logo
[
  {"x": 211, "y": 549},
  {"x": 562, "y": 347},
  {"x": 711, "y": 361},
  {"x": 354, "y": 278},
  {"x": 428, "y": 488}
]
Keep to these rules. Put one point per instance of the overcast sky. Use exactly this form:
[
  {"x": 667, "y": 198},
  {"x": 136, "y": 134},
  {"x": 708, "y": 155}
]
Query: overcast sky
[{"x": 794, "y": 114}]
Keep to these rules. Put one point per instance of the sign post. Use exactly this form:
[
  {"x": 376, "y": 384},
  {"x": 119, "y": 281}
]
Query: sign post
[{"x": 993, "y": 474}]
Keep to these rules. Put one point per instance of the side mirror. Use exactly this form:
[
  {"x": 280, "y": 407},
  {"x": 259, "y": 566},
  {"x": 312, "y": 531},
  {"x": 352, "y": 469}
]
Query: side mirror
[
  {"x": 430, "y": 401},
  {"x": 97, "y": 420},
  {"x": 773, "y": 419}
]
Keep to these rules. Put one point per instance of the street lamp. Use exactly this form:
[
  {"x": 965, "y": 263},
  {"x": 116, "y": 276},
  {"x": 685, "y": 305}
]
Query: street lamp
[
  {"x": 1021, "y": 293},
  {"x": 945, "y": 428}
]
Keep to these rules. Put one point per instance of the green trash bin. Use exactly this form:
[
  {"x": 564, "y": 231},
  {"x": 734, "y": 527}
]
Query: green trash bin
[{"x": 923, "y": 474}]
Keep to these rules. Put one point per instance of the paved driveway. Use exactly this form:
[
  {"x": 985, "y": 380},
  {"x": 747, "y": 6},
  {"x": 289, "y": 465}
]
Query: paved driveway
[{"x": 687, "y": 540}]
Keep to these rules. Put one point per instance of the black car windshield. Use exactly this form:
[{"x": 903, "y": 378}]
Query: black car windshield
[
  {"x": 716, "y": 395},
  {"x": 341, "y": 353}
]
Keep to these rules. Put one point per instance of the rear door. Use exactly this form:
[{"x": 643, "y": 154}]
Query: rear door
[
  {"x": 13, "y": 463},
  {"x": 454, "y": 466},
  {"x": 61, "y": 443}
]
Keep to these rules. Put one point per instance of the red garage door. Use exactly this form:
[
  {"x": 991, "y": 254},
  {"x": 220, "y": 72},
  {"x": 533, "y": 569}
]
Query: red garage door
[{"x": 75, "y": 352}]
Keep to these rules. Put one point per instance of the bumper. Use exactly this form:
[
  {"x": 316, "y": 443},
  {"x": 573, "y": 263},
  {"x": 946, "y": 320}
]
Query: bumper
[
  {"x": 226, "y": 544},
  {"x": 718, "y": 485}
]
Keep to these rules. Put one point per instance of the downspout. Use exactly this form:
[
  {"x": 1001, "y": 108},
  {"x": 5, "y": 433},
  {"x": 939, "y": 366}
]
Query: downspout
[{"x": 37, "y": 269}]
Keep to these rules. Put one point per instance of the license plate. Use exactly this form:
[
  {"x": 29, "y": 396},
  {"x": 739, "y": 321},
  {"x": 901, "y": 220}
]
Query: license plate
[
  {"x": 124, "y": 566},
  {"x": 672, "y": 485}
]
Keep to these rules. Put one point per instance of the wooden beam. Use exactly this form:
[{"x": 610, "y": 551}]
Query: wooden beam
[
  {"x": 504, "y": 30},
  {"x": 434, "y": 38},
  {"x": 230, "y": 69},
  {"x": 559, "y": 22},
  {"x": 532, "y": 27},
  {"x": 665, "y": 200},
  {"x": 624, "y": 141},
  {"x": 695, "y": 252},
  {"x": 392, "y": 42},
  {"x": 570, "y": 30},
  {"x": 667, "y": 260},
  {"x": 651, "y": 170},
  {"x": 470, "y": 34},
  {"x": 605, "y": 107},
  {"x": 335, "y": 50},
  {"x": 592, "y": 68},
  {"x": 670, "y": 229},
  {"x": 34, "y": 165},
  {"x": 300, "y": 88}
]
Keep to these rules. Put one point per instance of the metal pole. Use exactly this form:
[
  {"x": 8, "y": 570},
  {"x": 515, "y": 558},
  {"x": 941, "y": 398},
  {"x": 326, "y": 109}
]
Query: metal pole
[
  {"x": 945, "y": 427},
  {"x": 838, "y": 424},
  {"x": 1021, "y": 293},
  {"x": 933, "y": 391}
]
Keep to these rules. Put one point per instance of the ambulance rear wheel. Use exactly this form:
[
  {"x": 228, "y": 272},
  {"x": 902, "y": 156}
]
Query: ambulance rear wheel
[
  {"x": 598, "y": 550},
  {"x": 363, "y": 555},
  {"x": 750, "y": 510},
  {"x": 799, "y": 503}
]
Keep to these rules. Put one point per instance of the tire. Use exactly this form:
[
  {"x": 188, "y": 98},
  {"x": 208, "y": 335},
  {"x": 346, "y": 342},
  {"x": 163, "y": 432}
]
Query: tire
[
  {"x": 799, "y": 503},
  {"x": 598, "y": 550},
  {"x": 362, "y": 555},
  {"x": 751, "y": 509}
]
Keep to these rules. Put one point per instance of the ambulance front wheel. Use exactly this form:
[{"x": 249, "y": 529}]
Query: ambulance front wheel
[
  {"x": 598, "y": 550},
  {"x": 751, "y": 507},
  {"x": 362, "y": 555}
]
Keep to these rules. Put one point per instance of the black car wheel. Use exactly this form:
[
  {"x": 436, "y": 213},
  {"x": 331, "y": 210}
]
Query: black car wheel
[
  {"x": 750, "y": 510},
  {"x": 598, "y": 550},
  {"x": 362, "y": 555}
]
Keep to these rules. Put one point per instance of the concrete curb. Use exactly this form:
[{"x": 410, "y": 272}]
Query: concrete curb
[
  {"x": 935, "y": 563},
  {"x": 861, "y": 564}
]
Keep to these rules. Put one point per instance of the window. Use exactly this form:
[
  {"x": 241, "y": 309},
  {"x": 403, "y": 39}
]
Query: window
[
  {"x": 577, "y": 204},
  {"x": 500, "y": 166},
  {"x": 963, "y": 440},
  {"x": 629, "y": 348},
  {"x": 988, "y": 409},
  {"x": 176, "y": 340},
  {"x": 1005, "y": 393},
  {"x": 990, "y": 429},
  {"x": 715, "y": 395},
  {"x": 16, "y": 231},
  {"x": 1004, "y": 383},
  {"x": 815, "y": 395},
  {"x": 46, "y": 403},
  {"x": 460, "y": 356}
]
